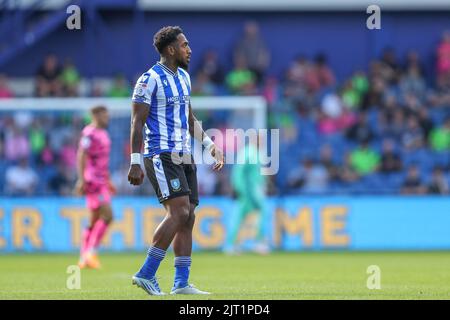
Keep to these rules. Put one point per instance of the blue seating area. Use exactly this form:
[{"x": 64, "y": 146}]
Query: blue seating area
[{"x": 309, "y": 143}]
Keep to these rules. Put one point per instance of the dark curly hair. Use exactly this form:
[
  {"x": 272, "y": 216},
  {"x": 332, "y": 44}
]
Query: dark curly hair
[{"x": 165, "y": 36}]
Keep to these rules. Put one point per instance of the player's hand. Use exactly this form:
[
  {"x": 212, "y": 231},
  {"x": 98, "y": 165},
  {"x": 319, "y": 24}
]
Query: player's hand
[
  {"x": 80, "y": 188},
  {"x": 217, "y": 154},
  {"x": 111, "y": 187},
  {"x": 135, "y": 175}
]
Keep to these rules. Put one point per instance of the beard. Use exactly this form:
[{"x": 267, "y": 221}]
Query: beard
[{"x": 183, "y": 65}]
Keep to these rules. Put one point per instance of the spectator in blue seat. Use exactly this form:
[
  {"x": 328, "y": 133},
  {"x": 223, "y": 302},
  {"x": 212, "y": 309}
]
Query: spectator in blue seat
[
  {"x": 374, "y": 96},
  {"x": 252, "y": 49},
  {"x": 310, "y": 177},
  {"x": 411, "y": 103},
  {"x": 412, "y": 83},
  {"x": 48, "y": 78},
  {"x": 347, "y": 173},
  {"x": 438, "y": 183},
  {"x": 390, "y": 67},
  {"x": 392, "y": 128},
  {"x": 413, "y": 184},
  {"x": 241, "y": 80},
  {"x": 413, "y": 61},
  {"x": 326, "y": 160},
  {"x": 203, "y": 86},
  {"x": 62, "y": 182},
  {"x": 425, "y": 122},
  {"x": 296, "y": 82},
  {"x": 5, "y": 91},
  {"x": 364, "y": 160},
  {"x": 439, "y": 138},
  {"x": 17, "y": 145},
  {"x": 70, "y": 78},
  {"x": 120, "y": 87},
  {"x": 390, "y": 160},
  {"x": 413, "y": 138},
  {"x": 361, "y": 130},
  {"x": 322, "y": 71},
  {"x": 211, "y": 67},
  {"x": 21, "y": 179}
]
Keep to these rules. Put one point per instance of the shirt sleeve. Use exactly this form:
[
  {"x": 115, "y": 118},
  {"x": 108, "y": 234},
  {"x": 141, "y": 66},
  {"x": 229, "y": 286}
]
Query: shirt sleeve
[
  {"x": 144, "y": 89},
  {"x": 85, "y": 142}
]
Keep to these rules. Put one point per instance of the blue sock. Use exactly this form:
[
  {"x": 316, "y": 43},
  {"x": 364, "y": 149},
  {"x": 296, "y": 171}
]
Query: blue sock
[
  {"x": 182, "y": 267},
  {"x": 151, "y": 264}
]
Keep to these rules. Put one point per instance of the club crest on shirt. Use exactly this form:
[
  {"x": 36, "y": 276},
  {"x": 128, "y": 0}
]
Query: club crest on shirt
[
  {"x": 175, "y": 184},
  {"x": 140, "y": 89}
]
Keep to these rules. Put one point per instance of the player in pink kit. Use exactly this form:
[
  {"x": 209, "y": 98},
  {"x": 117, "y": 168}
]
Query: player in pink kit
[{"x": 94, "y": 182}]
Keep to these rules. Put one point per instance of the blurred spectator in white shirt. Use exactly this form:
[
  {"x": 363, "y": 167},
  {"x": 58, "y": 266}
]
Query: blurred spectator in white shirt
[
  {"x": 309, "y": 177},
  {"x": 20, "y": 179}
]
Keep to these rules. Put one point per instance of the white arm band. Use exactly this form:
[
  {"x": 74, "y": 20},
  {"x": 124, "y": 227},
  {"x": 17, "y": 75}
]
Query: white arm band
[
  {"x": 135, "y": 158},
  {"x": 207, "y": 142}
]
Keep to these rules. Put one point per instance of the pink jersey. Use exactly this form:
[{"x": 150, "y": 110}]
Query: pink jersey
[
  {"x": 443, "y": 62},
  {"x": 96, "y": 143}
]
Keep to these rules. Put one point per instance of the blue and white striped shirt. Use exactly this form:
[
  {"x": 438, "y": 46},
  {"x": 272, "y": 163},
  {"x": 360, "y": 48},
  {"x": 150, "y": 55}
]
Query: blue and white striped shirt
[{"x": 167, "y": 94}]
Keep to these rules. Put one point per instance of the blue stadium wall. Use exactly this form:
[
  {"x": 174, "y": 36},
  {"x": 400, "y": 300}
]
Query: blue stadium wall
[
  {"x": 291, "y": 223},
  {"x": 125, "y": 37}
]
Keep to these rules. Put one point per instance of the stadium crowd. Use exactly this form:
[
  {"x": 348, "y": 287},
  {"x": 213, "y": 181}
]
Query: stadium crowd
[{"x": 384, "y": 130}]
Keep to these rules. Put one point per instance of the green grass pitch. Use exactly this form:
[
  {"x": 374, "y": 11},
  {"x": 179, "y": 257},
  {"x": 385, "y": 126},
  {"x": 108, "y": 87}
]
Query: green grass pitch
[{"x": 294, "y": 275}]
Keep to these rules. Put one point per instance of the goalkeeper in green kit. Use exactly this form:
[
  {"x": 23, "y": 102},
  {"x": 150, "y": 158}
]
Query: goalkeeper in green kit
[{"x": 248, "y": 185}]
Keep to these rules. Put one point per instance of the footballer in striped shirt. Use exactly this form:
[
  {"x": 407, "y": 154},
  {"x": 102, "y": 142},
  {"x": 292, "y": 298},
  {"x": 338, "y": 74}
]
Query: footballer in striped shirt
[{"x": 161, "y": 109}]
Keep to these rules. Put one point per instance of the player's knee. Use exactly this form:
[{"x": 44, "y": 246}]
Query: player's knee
[
  {"x": 108, "y": 219},
  {"x": 106, "y": 215},
  {"x": 191, "y": 220},
  {"x": 184, "y": 216},
  {"x": 178, "y": 210},
  {"x": 181, "y": 214}
]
